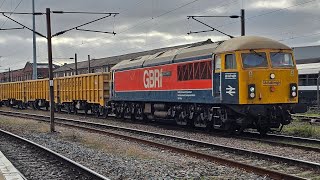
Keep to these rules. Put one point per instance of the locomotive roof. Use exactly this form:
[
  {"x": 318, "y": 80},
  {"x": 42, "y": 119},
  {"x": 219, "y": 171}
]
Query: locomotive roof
[
  {"x": 249, "y": 42},
  {"x": 169, "y": 56},
  {"x": 202, "y": 51}
]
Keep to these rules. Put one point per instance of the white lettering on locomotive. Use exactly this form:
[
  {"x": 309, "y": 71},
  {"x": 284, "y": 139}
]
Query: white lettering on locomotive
[{"x": 152, "y": 78}]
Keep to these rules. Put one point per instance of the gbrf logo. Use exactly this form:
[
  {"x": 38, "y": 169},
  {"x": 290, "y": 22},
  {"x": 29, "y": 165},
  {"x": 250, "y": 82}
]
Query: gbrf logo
[{"x": 152, "y": 78}]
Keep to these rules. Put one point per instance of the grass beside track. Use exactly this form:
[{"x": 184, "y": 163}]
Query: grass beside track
[{"x": 302, "y": 129}]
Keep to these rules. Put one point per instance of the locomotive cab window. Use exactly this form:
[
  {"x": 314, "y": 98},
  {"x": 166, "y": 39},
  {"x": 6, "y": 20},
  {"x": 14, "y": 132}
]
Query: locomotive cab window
[
  {"x": 279, "y": 59},
  {"x": 217, "y": 63},
  {"x": 230, "y": 61},
  {"x": 254, "y": 59}
]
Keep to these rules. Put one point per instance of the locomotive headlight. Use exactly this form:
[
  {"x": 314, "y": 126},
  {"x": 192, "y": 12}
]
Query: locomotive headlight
[
  {"x": 272, "y": 76},
  {"x": 251, "y": 91},
  {"x": 293, "y": 90}
]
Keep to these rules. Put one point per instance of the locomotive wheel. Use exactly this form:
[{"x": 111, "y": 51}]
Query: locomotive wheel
[
  {"x": 229, "y": 129},
  {"x": 181, "y": 119},
  {"x": 198, "y": 122},
  {"x": 263, "y": 131},
  {"x": 139, "y": 115}
]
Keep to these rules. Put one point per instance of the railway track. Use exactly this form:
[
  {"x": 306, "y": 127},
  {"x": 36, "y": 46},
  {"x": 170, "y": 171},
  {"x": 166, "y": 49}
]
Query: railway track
[
  {"x": 312, "y": 119},
  {"x": 37, "y": 162},
  {"x": 308, "y": 144},
  {"x": 295, "y": 169}
]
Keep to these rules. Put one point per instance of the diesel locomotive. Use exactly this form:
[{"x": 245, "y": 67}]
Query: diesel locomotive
[{"x": 244, "y": 82}]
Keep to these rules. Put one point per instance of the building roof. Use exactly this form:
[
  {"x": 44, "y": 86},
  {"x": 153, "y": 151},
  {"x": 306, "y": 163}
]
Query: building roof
[
  {"x": 41, "y": 65},
  {"x": 249, "y": 42},
  {"x": 311, "y": 68},
  {"x": 306, "y": 61},
  {"x": 306, "y": 52},
  {"x": 116, "y": 59}
]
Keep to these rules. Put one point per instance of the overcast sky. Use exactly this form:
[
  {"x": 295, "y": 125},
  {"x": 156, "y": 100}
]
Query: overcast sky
[{"x": 148, "y": 24}]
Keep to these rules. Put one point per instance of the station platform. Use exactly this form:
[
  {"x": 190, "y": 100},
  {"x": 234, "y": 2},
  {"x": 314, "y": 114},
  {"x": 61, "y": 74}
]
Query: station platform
[{"x": 8, "y": 171}]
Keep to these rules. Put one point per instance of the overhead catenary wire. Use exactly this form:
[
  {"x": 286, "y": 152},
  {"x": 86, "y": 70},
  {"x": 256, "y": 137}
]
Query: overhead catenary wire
[
  {"x": 11, "y": 13},
  {"x": 301, "y": 36},
  {"x": 267, "y": 13},
  {"x": 219, "y": 5},
  {"x": 150, "y": 19},
  {"x": 2, "y": 3}
]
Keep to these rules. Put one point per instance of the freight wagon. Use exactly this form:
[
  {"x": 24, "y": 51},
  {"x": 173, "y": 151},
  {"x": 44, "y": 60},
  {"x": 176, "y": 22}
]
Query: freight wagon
[{"x": 83, "y": 92}]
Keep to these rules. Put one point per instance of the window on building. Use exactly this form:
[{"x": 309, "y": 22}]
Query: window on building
[
  {"x": 230, "y": 61},
  {"x": 302, "y": 80},
  {"x": 312, "y": 79}
]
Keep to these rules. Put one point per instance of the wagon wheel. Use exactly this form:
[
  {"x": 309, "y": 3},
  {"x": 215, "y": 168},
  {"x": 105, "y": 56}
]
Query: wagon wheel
[
  {"x": 96, "y": 112},
  {"x": 105, "y": 112},
  {"x": 37, "y": 107},
  {"x": 75, "y": 110},
  {"x": 69, "y": 109},
  {"x": 33, "y": 106},
  {"x": 59, "y": 108},
  {"x": 86, "y": 110}
]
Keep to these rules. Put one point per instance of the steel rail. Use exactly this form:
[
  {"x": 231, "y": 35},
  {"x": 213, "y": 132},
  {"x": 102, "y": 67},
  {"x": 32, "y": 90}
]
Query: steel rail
[
  {"x": 90, "y": 173},
  {"x": 273, "y": 142},
  {"x": 247, "y": 135},
  {"x": 288, "y": 138},
  {"x": 258, "y": 170},
  {"x": 186, "y": 140}
]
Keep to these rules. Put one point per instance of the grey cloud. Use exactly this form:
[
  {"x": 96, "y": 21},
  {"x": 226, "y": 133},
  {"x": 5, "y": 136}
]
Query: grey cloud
[{"x": 166, "y": 30}]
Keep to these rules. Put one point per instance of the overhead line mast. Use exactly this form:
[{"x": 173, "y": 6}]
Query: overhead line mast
[
  {"x": 49, "y": 37},
  {"x": 35, "y": 67}
]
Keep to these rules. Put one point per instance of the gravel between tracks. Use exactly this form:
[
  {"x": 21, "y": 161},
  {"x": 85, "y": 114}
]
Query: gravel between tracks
[
  {"x": 120, "y": 159},
  {"x": 232, "y": 142}
]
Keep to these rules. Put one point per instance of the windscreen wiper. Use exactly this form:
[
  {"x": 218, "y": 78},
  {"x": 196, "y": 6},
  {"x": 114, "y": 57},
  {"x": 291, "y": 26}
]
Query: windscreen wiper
[
  {"x": 277, "y": 53},
  {"x": 256, "y": 53}
]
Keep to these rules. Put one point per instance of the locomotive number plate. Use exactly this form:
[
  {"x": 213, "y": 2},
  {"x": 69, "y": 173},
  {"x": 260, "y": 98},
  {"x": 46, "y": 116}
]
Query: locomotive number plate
[{"x": 271, "y": 82}]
